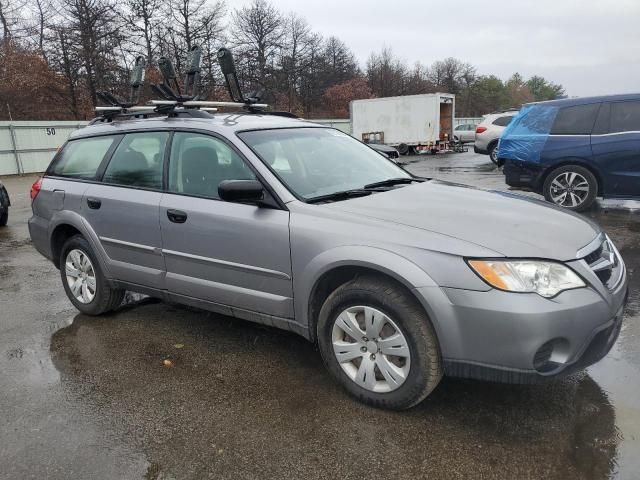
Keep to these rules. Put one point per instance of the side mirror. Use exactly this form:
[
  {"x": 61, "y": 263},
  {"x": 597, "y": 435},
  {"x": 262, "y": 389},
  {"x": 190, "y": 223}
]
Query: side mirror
[{"x": 241, "y": 190}]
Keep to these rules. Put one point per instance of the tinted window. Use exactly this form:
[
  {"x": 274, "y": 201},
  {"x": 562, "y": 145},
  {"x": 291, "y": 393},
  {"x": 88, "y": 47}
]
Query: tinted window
[
  {"x": 81, "y": 158},
  {"x": 577, "y": 120},
  {"x": 625, "y": 117},
  {"x": 602, "y": 122},
  {"x": 199, "y": 163},
  {"x": 138, "y": 161},
  {"x": 503, "y": 121}
]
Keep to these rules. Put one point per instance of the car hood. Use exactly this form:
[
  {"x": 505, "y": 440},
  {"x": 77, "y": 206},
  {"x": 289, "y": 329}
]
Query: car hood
[{"x": 511, "y": 225}]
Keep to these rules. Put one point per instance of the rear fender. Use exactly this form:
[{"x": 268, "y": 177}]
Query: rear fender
[{"x": 68, "y": 217}]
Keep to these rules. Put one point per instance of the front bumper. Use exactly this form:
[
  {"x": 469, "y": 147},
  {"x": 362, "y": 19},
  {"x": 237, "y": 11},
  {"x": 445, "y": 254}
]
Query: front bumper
[
  {"x": 523, "y": 175},
  {"x": 524, "y": 338}
]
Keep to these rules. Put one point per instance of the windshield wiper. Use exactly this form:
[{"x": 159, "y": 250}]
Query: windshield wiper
[
  {"x": 340, "y": 195},
  {"x": 393, "y": 181}
]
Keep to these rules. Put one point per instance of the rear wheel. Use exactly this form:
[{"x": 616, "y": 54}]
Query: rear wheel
[
  {"x": 403, "y": 149},
  {"x": 493, "y": 153},
  {"x": 377, "y": 341},
  {"x": 83, "y": 280},
  {"x": 572, "y": 187}
]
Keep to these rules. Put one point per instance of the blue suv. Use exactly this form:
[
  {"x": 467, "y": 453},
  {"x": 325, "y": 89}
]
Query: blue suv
[{"x": 572, "y": 150}]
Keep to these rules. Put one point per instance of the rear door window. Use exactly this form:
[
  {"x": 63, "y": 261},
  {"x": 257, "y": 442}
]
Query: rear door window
[
  {"x": 503, "y": 121},
  {"x": 81, "y": 158},
  {"x": 138, "y": 161},
  {"x": 576, "y": 120},
  {"x": 625, "y": 117}
]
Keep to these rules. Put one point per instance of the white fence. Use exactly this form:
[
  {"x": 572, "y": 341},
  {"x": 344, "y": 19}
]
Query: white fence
[{"x": 29, "y": 146}]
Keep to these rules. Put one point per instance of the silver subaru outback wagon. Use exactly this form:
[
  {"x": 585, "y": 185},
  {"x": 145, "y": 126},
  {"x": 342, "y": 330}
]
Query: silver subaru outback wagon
[{"x": 399, "y": 279}]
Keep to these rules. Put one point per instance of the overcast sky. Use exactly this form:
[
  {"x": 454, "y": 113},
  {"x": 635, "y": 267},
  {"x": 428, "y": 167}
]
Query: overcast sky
[{"x": 589, "y": 46}]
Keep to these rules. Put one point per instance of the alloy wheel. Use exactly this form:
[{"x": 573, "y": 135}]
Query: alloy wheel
[
  {"x": 494, "y": 155},
  {"x": 569, "y": 189},
  {"x": 371, "y": 349},
  {"x": 80, "y": 275}
]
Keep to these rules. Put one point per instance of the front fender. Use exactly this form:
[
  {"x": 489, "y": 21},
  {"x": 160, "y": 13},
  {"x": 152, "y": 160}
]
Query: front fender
[{"x": 381, "y": 260}]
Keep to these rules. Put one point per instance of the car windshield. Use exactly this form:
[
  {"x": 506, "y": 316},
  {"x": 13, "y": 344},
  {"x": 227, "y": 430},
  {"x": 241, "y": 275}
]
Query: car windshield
[{"x": 316, "y": 162}]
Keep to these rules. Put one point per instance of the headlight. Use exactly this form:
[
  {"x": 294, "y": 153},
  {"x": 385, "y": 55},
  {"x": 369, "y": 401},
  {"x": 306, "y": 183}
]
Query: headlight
[{"x": 544, "y": 278}]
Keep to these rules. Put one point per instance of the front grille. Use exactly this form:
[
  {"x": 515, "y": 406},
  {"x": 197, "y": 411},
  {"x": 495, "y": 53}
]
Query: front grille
[
  {"x": 594, "y": 256},
  {"x": 604, "y": 261}
]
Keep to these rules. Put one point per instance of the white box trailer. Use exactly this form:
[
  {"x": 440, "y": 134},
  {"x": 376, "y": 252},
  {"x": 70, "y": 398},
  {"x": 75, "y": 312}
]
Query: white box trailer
[{"x": 411, "y": 123}]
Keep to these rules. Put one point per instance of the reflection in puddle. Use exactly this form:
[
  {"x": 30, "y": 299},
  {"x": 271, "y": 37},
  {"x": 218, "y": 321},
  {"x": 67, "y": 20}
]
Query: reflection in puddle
[{"x": 242, "y": 400}]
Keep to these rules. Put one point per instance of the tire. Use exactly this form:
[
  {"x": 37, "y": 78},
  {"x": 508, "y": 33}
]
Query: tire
[
  {"x": 572, "y": 187},
  {"x": 421, "y": 369},
  {"x": 493, "y": 153},
  {"x": 4, "y": 207},
  {"x": 403, "y": 149},
  {"x": 104, "y": 298}
]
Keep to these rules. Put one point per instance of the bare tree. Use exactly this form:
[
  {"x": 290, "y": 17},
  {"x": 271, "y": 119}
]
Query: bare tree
[
  {"x": 94, "y": 28},
  {"x": 141, "y": 16},
  {"x": 11, "y": 18},
  {"x": 386, "y": 73},
  {"x": 256, "y": 34}
]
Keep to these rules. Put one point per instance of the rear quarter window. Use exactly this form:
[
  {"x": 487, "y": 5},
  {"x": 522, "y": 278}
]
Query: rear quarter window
[
  {"x": 503, "y": 121},
  {"x": 625, "y": 117},
  {"x": 81, "y": 158},
  {"x": 576, "y": 120}
]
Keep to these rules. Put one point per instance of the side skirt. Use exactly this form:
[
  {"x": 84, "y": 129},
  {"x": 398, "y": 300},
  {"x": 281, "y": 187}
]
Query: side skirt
[{"x": 256, "y": 317}]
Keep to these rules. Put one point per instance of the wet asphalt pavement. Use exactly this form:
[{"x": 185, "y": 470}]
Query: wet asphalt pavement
[{"x": 86, "y": 398}]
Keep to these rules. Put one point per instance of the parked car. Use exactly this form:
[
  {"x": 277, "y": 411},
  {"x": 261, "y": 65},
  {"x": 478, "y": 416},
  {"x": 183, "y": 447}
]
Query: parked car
[
  {"x": 488, "y": 133},
  {"x": 386, "y": 150},
  {"x": 573, "y": 150},
  {"x": 5, "y": 203},
  {"x": 399, "y": 279},
  {"x": 465, "y": 133}
]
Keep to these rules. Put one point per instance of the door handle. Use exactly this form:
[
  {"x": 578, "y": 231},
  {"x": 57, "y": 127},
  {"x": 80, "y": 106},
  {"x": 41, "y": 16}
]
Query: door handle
[
  {"x": 176, "y": 216},
  {"x": 94, "y": 203}
]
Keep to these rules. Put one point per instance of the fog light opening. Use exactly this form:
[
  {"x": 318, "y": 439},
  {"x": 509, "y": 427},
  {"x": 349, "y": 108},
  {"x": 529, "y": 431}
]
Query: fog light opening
[{"x": 551, "y": 355}]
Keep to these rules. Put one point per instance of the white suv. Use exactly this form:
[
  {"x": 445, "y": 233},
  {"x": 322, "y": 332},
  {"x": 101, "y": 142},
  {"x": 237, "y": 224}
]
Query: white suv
[{"x": 488, "y": 133}]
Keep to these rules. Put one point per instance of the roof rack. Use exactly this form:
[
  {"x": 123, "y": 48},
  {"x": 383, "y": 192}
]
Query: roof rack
[{"x": 175, "y": 101}]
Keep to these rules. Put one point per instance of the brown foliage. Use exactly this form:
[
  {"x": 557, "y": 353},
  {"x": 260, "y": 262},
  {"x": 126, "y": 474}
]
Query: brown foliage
[
  {"x": 28, "y": 87},
  {"x": 338, "y": 97}
]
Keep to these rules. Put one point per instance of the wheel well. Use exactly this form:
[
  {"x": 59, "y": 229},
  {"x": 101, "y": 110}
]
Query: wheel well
[
  {"x": 59, "y": 236},
  {"x": 547, "y": 172},
  {"x": 336, "y": 277},
  {"x": 492, "y": 143}
]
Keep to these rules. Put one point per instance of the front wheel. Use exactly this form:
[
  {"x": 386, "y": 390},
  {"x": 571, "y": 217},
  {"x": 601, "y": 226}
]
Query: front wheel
[
  {"x": 83, "y": 280},
  {"x": 572, "y": 187},
  {"x": 378, "y": 342}
]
